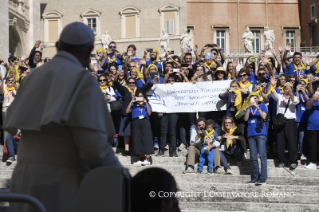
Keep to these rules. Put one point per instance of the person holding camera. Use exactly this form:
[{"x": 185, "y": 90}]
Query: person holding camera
[
  {"x": 313, "y": 128},
  {"x": 315, "y": 66},
  {"x": 297, "y": 67},
  {"x": 141, "y": 128},
  {"x": 126, "y": 93},
  {"x": 153, "y": 58},
  {"x": 301, "y": 114},
  {"x": 286, "y": 127},
  {"x": 112, "y": 56},
  {"x": 234, "y": 96},
  {"x": 230, "y": 143},
  {"x": 255, "y": 115},
  {"x": 249, "y": 70}
]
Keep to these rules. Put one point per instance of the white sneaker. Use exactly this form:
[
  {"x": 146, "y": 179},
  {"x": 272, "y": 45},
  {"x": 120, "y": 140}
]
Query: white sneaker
[
  {"x": 146, "y": 162},
  {"x": 245, "y": 156},
  {"x": 228, "y": 171},
  {"x": 219, "y": 170},
  {"x": 166, "y": 147},
  {"x": 302, "y": 157},
  {"x": 311, "y": 166},
  {"x": 138, "y": 163},
  {"x": 181, "y": 147}
]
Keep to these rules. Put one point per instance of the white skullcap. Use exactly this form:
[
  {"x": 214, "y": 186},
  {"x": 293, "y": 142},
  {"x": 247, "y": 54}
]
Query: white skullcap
[{"x": 77, "y": 33}]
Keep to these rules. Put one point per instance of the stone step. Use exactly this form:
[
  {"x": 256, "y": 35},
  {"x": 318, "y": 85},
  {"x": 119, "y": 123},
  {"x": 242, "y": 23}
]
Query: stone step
[
  {"x": 272, "y": 172},
  {"x": 243, "y": 179},
  {"x": 223, "y": 192},
  {"x": 246, "y": 206},
  {"x": 125, "y": 160}
]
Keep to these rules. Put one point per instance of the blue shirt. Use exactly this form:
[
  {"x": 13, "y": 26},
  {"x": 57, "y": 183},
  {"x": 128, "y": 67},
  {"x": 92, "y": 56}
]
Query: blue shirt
[
  {"x": 253, "y": 119},
  {"x": 313, "y": 113},
  {"x": 231, "y": 109},
  {"x": 139, "y": 111},
  {"x": 301, "y": 108},
  {"x": 273, "y": 103},
  {"x": 314, "y": 68},
  {"x": 139, "y": 83},
  {"x": 118, "y": 61},
  {"x": 291, "y": 70}
]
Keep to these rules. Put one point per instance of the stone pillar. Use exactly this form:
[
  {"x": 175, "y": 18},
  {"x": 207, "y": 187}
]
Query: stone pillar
[
  {"x": 34, "y": 32},
  {"x": 4, "y": 35}
]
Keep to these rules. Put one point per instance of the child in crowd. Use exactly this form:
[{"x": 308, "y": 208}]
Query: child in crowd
[
  {"x": 142, "y": 139},
  {"x": 210, "y": 141}
]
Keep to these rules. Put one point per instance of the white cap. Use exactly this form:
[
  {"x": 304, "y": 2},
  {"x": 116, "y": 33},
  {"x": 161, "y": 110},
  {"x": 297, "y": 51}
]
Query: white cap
[{"x": 77, "y": 33}]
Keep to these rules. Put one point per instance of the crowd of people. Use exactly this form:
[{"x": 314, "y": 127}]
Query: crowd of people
[{"x": 271, "y": 100}]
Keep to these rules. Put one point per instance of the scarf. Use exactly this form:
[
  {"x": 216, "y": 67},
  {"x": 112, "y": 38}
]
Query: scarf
[
  {"x": 317, "y": 68},
  {"x": 132, "y": 92},
  {"x": 109, "y": 60},
  {"x": 231, "y": 132},
  {"x": 8, "y": 89},
  {"x": 110, "y": 83},
  {"x": 299, "y": 69},
  {"x": 229, "y": 76},
  {"x": 242, "y": 86},
  {"x": 208, "y": 136},
  {"x": 209, "y": 66},
  {"x": 123, "y": 83},
  {"x": 281, "y": 88},
  {"x": 246, "y": 103},
  {"x": 103, "y": 88},
  {"x": 238, "y": 99}
]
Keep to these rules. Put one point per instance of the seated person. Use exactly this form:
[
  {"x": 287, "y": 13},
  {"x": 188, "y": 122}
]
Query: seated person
[
  {"x": 230, "y": 143},
  {"x": 11, "y": 143},
  {"x": 195, "y": 147},
  {"x": 210, "y": 141}
]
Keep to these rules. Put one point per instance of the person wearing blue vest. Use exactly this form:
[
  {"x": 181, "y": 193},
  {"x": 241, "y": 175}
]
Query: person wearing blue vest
[{"x": 313, "y": 128}]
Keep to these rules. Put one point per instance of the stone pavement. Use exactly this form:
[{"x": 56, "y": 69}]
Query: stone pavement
[{"x": 285, "y": 190}]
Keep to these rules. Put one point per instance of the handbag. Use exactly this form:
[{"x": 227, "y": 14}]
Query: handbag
[
  {"x": 116, "y": 105},
  {"x": 280, "y": 120}
]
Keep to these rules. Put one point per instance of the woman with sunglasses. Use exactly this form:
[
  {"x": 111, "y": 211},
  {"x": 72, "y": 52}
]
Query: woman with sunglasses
[
  {"x": 235, "y": 96},
  {"x": 107, "y": 90},
  {"x": 244, "y": 83},
  {"x": 126, "y": 93},
  {"x": 230, "y": 143},
  {"x": 9, "y": 93},
  {"x": 255, "y": 115}
]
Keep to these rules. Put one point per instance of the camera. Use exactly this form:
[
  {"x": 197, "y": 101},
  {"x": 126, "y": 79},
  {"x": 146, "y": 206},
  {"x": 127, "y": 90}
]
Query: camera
[{"x": 201, "y": 128}]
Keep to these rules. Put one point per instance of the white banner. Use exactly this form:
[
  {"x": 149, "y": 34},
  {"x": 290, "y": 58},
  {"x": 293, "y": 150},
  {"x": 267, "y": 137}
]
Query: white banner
[{"x": 188, "y": 97}]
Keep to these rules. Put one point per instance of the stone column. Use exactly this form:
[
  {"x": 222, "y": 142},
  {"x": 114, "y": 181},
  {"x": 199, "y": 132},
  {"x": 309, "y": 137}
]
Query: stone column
[
  {"x": 4, "y": 35},
  {"x": 34, "y": 32}
]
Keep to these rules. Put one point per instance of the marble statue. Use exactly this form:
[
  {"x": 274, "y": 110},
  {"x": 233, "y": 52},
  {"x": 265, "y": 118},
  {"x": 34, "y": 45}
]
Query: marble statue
[
  {"x": 186, "y": 39},
  {"x": 269, "y": 39},
  {"x": 106, "y": 40},
  {"x": 248, "y": 41},
  {"x": 164, "y": 41}
]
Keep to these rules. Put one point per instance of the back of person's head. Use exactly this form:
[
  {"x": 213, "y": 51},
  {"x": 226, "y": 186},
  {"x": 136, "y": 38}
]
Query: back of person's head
[
  {"x": 77, "y": 39},
  {"x": 159, "y": 184}
]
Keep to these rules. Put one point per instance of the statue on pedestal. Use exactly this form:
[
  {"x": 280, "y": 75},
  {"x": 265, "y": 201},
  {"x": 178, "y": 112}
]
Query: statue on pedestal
[
  {"x": 248, "y": 41},
  {"x": 164, "y": 41},
  {"x": 106, "y": 40},
  {"x": 186, "y": 39},
  {"x": 269, "y": 39}
]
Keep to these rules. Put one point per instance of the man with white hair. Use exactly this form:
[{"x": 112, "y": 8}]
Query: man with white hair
[{"x": 65, "y": 123}]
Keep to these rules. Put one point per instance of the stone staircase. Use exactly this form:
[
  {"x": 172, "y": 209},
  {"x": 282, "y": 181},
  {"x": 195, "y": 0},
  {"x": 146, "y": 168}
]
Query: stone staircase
[{"x": 285, "y": 190}]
